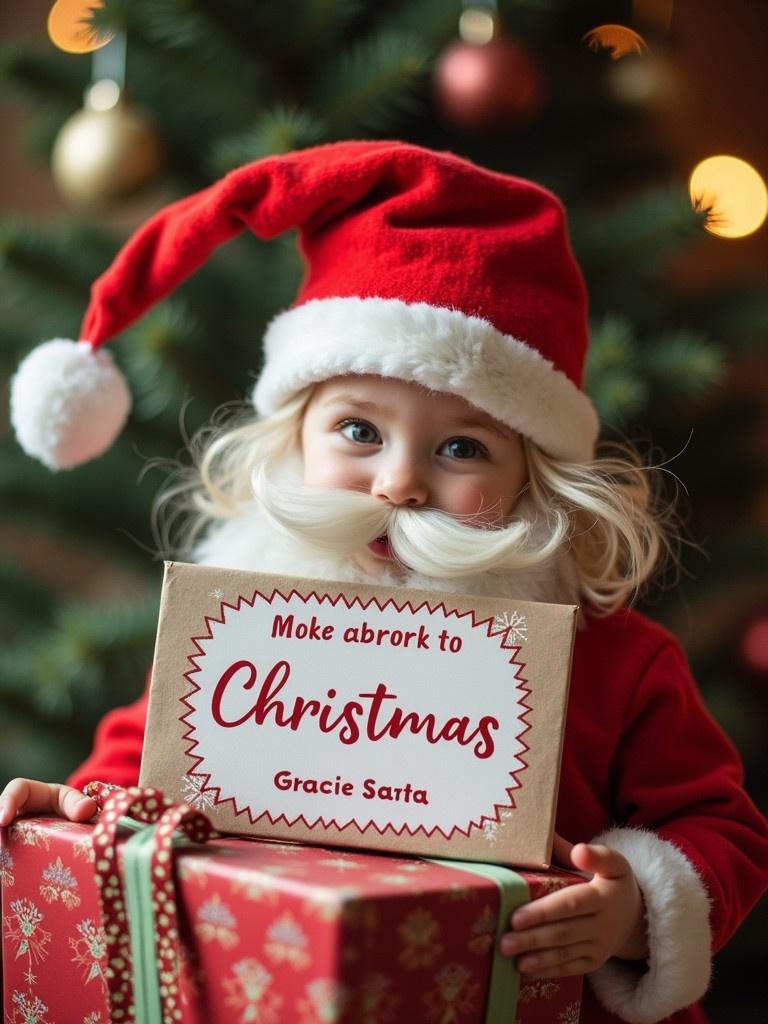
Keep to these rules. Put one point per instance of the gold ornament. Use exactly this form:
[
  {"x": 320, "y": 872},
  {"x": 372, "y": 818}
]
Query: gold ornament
[{"x": 106, "y": 151}]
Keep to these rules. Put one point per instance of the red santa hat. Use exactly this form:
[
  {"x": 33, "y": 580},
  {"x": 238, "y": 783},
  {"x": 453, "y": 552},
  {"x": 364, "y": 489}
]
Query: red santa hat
[{"x": 419, "y": 266}]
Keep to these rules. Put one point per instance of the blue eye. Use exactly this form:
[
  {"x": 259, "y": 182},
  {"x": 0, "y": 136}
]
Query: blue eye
[
  {"x": 462, "y": 448},
  {"x": 359, "y": 431}
]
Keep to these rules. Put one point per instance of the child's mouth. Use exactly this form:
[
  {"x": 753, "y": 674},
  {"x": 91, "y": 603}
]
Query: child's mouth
[{"x": 380, "y": 547}]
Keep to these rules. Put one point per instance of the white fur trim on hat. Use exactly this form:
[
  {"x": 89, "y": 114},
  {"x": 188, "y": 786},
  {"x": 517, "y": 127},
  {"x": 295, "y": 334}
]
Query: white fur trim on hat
[
  {"x": 68, "y": 402},
  {"x": 441, "y": 349},
  {"x": 679, "y": 938}
]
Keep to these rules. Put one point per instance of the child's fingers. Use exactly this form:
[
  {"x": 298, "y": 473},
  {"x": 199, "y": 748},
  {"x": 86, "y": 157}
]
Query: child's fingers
[
  {"x": 28, "y": 796},
  {"x": 575, "y": 901},
  {"x": 575, "y": 961},
  {"x": 558, "y": 935},
  {"x": 600, "y": 860}
]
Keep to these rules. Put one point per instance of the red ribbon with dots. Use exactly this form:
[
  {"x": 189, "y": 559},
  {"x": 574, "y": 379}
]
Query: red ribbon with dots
[{"x": 152, "y": 808}]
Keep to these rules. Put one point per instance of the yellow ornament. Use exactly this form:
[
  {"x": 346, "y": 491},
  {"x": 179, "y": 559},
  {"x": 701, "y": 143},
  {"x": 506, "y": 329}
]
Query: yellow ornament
[{"x": 106, "y": 151}]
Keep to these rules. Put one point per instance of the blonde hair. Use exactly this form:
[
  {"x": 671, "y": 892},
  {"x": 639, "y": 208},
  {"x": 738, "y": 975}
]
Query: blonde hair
[
  {"x": 623, "y": 531},
  {"x": 620, "y": 531}
]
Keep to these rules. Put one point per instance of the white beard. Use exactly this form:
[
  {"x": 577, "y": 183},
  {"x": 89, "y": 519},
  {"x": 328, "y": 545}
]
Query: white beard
[{"x": 251, "y": 543}]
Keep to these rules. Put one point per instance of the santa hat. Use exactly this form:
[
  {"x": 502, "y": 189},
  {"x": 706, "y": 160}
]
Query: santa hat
[{"x": 419, "y": 266}]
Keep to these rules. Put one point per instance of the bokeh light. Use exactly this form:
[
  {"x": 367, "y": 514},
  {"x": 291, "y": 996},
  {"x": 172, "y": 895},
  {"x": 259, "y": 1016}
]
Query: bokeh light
[
  {"x": 619, "y": 39},
  {"x": 69, "y": 30},
  {"x": 734, "y": 191}
]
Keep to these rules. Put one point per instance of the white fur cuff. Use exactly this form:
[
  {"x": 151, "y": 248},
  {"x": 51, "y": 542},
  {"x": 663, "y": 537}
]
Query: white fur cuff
[
  {"x": 441, "y": 349},
  {"x": 679, "y": 938}
]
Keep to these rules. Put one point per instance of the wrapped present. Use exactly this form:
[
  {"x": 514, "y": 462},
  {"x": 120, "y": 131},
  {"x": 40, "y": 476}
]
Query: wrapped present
[{"x": 243, "y": 930}]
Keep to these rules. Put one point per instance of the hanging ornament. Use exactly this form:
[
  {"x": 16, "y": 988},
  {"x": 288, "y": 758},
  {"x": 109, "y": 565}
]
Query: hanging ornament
[
  {"x": 109, "y": 149},
  {"x": 753, "y": 647},
  {"x": 487, "y": 81}
]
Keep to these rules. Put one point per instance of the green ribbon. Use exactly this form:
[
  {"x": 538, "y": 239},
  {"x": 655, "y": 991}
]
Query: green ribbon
[
  {"x": 137, "y": 857},
  {"x": 504, "y": 983},
  {"x": 140, "y": 911}
]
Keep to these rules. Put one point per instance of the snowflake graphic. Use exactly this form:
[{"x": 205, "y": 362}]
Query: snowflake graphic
[
  {"x": 515, "y": 623},
  {"x": 491, "y": 831},
  {"x": 218, "y": 594},
  {"x": 455, "y": 995},
  {"x": 570, "y": 1014},
  {"x": 420, "y": 937},
  {"x": 537, "y": 988},
  {"x": 90, "y": 951},
  {"x": 339, "y": 863},
  {"x": 483, "y": 932},
  {"x": 393, "y": 879},
  {"x": 28, "y": 1009},
  {"x": 325, "y": 1001},
  {"x": 23, "y": 928},
  {"x": 248, "y": 993},
  {"x": 60, "y": 883},
  {"x": 27, "y": 834},
  {"x": 216, "y": 923},
  {"x": 193, "y": 792},
  {"x": 6, "y": 868},
  {"x": 287, "y": 943}
]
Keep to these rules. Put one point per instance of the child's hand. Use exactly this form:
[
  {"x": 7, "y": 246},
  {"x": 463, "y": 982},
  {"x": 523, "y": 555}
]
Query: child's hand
[
  {"x": 575, "y": 930},
  {"x": 25, "y": 796}
]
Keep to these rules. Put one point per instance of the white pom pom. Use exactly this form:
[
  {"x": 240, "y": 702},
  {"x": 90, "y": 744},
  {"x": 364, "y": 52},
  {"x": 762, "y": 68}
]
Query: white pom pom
[{"x": 68, "y": 402}]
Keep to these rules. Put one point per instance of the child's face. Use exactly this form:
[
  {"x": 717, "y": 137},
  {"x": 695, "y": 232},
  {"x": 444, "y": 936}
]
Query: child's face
[{"x": 408, "y": 446}]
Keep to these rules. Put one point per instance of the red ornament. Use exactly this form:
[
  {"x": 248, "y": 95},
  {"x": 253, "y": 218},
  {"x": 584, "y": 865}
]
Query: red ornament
[
  {"x": 493, "y": 85},
  {"x": 753, "y": 646}
]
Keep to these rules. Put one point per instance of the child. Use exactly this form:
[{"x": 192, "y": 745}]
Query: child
[{"x": 421, "y": 421}]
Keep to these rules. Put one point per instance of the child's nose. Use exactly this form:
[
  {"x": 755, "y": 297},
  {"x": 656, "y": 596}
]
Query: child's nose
[{"x": 400, "y": 483}]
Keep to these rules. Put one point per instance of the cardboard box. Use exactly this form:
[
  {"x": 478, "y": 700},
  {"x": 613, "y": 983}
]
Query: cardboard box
[
  {"x": 397, "y": 720},
  {"x": 275, "y": 933}
]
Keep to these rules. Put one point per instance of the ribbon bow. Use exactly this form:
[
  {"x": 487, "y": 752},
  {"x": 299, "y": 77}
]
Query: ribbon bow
[{"x": 148, "y": 951}]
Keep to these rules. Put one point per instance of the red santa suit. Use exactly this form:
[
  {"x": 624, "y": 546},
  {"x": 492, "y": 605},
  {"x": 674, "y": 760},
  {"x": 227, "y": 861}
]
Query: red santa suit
[
  {"x": 645, "y": 770},
  {"x": 427, "y": 268}
]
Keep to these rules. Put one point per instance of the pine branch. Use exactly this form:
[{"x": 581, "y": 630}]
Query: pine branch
[
  {"x": 76, "y": 658},
  {"x": 317, "y": 24},
  {"x": 434, "y": 22},
  {"x": 161, "y": 66},
  {"x": 372, "y": 82},
  {"x": 611, "y": 377},
  {"x": 278, "y": 130},
  {"x": 94, "y": 501},
  {"x": 637, "y": 237},
  {"x": 24, "y": 597},
  {"x": 47, "y": 77},
  {"x": 684, "y": 362},
  {"x": 51, "y": 270}
]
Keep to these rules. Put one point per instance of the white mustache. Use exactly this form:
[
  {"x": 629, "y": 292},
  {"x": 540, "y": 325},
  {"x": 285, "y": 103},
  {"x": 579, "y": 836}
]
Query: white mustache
[{"x": 424, "y": 540}]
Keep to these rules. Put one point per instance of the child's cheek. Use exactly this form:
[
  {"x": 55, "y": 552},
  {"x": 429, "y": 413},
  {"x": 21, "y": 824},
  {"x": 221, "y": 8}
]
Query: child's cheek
[
  {"x": 471, "y": 499},
  {"x": 327, "y": 473}
]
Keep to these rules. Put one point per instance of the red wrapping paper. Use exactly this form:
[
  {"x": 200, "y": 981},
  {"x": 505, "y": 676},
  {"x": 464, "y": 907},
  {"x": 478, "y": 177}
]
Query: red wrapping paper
[{"x": 271, "y": 933}]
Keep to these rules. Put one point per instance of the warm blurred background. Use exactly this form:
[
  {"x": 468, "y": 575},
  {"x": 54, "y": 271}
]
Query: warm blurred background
[{"x": 613, "y": 105}]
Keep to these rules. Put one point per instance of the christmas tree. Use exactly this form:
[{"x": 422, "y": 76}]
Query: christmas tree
[{"x": 210, "y": 85}]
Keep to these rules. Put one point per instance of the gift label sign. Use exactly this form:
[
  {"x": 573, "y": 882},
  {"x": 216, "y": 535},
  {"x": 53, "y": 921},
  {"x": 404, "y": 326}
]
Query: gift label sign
[
  {"x": 354, "y": 712},
  {"x": 355, "y": 715}
]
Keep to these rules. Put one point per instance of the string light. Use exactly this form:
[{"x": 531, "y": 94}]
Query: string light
[{"x": 734, "y": 192}]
